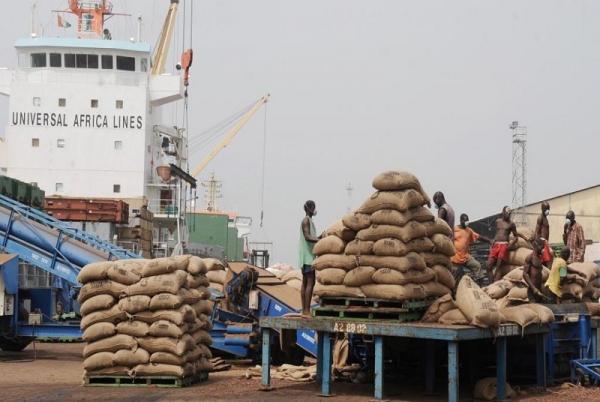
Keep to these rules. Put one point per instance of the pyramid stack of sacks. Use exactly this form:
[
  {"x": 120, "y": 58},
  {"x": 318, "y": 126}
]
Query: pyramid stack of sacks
[
  {"x": 391, "y": 248},
  {"x": 216, "y": 273},
  {"x": 473, "y": 306},
  {"x": 146, "y": 317}
]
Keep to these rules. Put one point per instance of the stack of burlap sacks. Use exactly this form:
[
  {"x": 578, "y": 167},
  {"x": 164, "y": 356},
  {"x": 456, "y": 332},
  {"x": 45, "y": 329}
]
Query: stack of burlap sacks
[
  {"x": 146, "y": 317},
  {"x": 391, "y": 248},
  {"x": 216, "y": 274}
]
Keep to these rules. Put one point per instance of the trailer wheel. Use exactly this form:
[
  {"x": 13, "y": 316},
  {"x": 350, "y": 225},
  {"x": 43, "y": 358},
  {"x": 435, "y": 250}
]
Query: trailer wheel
[
  {"x": 16, "y": 344},
  {"x": 295, "y": 356}
]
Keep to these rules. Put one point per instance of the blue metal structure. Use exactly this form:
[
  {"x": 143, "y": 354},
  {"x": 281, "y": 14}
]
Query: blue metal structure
[{"x": 380, "y": 329}]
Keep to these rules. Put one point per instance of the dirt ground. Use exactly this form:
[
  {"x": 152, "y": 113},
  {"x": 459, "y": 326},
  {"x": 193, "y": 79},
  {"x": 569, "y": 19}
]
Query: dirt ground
[{"x": 54, "y": 371}]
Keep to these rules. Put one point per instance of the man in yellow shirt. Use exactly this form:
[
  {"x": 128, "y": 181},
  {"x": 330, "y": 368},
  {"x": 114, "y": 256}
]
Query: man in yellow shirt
[
  {"x": 463, "y": 238},
  {"x": 558, "y": 273}
]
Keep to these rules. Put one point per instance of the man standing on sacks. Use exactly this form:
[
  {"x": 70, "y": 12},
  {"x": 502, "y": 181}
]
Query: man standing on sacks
[
  {"x": 308, "y": 238},
  {"x": 500, "y": 246},
  {"x": 463, "y": 238},
  {"x": 445, "y": 211}
]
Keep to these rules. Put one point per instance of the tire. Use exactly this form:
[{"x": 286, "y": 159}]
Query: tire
[{"x": 16, "y": 344}]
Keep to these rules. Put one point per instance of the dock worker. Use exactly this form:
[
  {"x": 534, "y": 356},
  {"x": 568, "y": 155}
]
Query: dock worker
[
  {"x": 500, "y": 245},
  {"x": 445, "y": 211},
  {"x": 574, "y": 238},
  {"x": 532, "y": 272},
  {"x": 308, "y": 238},
  {"x": 464, "y": 236},
  {"x": 542, "y": 230},
  {"x": 558, "y": 274}
]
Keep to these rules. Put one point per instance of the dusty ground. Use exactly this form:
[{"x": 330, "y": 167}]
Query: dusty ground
[{"x": 54, "y": 372}]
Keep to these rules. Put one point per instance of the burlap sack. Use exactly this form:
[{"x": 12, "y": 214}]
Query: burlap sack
[
  {"x": 112, "y": 315},
  {"x": 149, "y": 317},
  {"x": 95, "y": 303},
  {"x": 171, "y": 345},
  {"x": 394, "y": 180},
  {"x": 96, "y": 271},
  {"x": 217, "y": 286},
  {"x": 196, "y": 266},
  {"x": 337, "y": 291},
  {"x": 99, "y": 331},
  {"x": 520, "y": 315},
  {"x": 440, "y": 307},
  {"x": 359, "y": 276},
  {"x": 437, "y": 226},
  {"x": 443, "y": 245},
  {"x": 498, "y": 289},
  {"x": 194, "y": 281},
  {"x": 168, "y": 358},
  {"x": 182, "y": 261},
  {"x": 402, "y": 264},
  {"x": 358, "y": 247},
  {"x": 516, "y": 275},
  {"x": 505, "y": 269},
  {"x": 293, "y": 274},
  {"x": 98, "y": 361},
  {"x": 590, "y": 269},
  {"x": 502, "y": 303},
  {"x": 126, "y": 272},
  {"x": 329, "y": 245},
  {"x": 165, "y": 301},
  {"x": 103, "y": 287},
  {"x": 217, "y": 276},
  {"x": 109, "y": 371},
  {"x": 394, "y": 292},
  {"x": 433, "y": 259},
  {"x": 203, "y": 307},
  {"x": 521, "y": 243},
  {"x": 134, "y": 304},
  {"x": 453, "y": 317},
  {"x": 406, "y": 233},
  {"x": 130, "y": 358},
  {"x": 331, "y": 276},
  {"x": 338, "y": 229},
  {"x": 212, "y": 264},
  {"x": 388, "y": 276},
  {"x": 518, "y": 256},
  {"x": 545, "y": 315},
  {"x": 525, "y": 233},
  {"x": 444, "y": 276},
  {"x": 357, "y": 221},
  {"x": 190, "y": 296},
  {"x": 397, "y": 218},
  {"x": 202, "y": 337},
  {"x": 518, "y": 294},
  {"x": 435, "y": 289},
  {"x": 167, "y": 283},
  {"x": 152, "y": 369},
  {"x": 396, "y": 247},
  {"x": 398, "y": 200},
  {"x": 133, "y": 328},
  {"x": 159, "y": 266},
  {"x": 486, "y": 389},
  {"x": 111, "y": 344},
  {"x": 334, "y": 261},
  {"x": 163, "y": 328},
  {"x": 476, "y": 305},
  {"x": 205, "y": 351},
  {"x": 572, "y": 291}
]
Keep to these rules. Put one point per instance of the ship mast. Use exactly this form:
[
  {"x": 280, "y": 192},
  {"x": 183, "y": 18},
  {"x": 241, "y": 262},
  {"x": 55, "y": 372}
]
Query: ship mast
[{"x": 91, "y": 16}]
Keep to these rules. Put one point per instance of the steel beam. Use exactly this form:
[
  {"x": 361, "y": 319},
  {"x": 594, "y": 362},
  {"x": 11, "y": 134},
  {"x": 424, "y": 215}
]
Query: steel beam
[
  {"x": 501, "y": 369},
  {"x": 379, "y": 369},
  {"x": 266, "y": 358},
  {"x": 453, "y": 371}
]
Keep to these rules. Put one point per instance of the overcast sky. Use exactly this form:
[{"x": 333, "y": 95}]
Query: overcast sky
[{"x": 359, "y": 87}]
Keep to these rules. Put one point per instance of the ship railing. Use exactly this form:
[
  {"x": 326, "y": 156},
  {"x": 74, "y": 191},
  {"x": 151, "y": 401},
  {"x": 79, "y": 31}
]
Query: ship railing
[
  {"x": 163, "y": 207},
  {"x": 79, "y": 76}
]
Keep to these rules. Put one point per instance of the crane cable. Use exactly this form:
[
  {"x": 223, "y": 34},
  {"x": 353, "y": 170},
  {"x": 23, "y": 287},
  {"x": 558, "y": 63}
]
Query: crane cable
[{"x": 262, "y": 193}]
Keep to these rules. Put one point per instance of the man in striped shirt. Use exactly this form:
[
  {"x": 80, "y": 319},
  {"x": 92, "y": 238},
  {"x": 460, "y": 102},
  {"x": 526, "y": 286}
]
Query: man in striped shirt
[{"x": 574, "y": 238}]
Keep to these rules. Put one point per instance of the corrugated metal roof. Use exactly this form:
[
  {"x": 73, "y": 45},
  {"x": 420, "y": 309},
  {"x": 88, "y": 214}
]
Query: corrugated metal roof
[{"x": 83, "y": 44}]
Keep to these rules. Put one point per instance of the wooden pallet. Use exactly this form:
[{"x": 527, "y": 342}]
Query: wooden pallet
[
  {"x": 356, "y": 313},
  {"x": 406, "y": 305},
  {"x": 144, "y": 381}
]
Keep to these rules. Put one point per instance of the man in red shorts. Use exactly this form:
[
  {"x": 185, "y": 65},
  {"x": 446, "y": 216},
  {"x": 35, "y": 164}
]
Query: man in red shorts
[
  {"x": 542, "y": 231},
  {"x": 500, "y": 247}
]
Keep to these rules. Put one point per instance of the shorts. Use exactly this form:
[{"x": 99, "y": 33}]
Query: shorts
[
  {"x": 546, "y": 254},
  {"x": 499, "y": 251},
  {"x": 307, "y": 269}
]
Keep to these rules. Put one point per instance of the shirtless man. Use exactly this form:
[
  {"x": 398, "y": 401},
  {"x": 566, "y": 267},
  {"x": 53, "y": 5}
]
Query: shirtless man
[
  {"x": 532, "y": 272},
  {"x": 500, "y": 246},
  {"x": 542, "y": 230}
]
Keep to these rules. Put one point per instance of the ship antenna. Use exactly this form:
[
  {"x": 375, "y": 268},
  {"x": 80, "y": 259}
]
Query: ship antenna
[{"x": 33, "y": 6}]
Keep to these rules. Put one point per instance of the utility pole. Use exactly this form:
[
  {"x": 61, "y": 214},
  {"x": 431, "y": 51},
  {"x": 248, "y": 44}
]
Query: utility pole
[
  {"x": 519, "y": 173},
  {"x": 349, "y": 188}
]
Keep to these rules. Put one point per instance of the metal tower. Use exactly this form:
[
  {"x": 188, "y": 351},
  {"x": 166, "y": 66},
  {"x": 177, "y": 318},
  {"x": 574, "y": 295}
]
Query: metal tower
[
  {"x": 212, "y": 193},
  {"x": 349, "y": 188},
  {"x": 519, "y": 173}
]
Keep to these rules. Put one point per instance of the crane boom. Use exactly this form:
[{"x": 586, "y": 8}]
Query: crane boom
[
  {"x": 225, "y": 141},
  {"x": 162, "y": 47}
]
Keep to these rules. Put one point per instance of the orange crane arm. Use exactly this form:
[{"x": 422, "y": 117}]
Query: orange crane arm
[
  {"x": 225, "y": 141},
  {"x": 162, "y": 47}
]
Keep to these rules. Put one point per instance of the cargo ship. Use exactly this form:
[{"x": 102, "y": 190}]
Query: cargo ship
[{"x": 85, "y": 127}]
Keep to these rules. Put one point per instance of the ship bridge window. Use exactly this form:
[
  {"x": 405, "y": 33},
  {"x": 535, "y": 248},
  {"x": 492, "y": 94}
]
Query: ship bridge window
[
  {"x": 59, "y": 187},
  {"x": 38, "y": 59},
  {"x": 55, "y": 60},
  {"x": 62, "y": 102},
  {"x": 35, "y": 142},
  {"x": 60, "y": 143},
  {"x": 116, "y": 188},
  {"x": 119, "y": 104},
  {"x": 70, "y": 60},
  {"x": 107, "y": 62},
  {"x": 125, "y": 63}
]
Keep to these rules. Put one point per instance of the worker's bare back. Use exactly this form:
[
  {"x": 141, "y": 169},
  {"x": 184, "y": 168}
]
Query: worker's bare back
[{"x": 503, "y": 230}]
